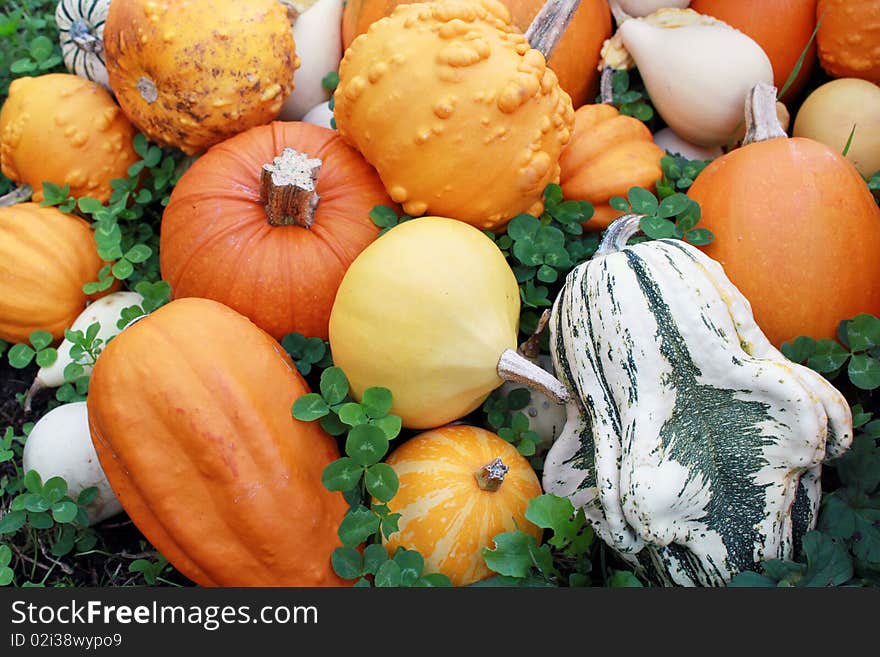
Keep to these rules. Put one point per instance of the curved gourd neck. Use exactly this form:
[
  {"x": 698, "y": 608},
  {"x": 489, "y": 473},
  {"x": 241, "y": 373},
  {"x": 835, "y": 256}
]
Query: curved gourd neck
[{"x": 619, "y": 233}]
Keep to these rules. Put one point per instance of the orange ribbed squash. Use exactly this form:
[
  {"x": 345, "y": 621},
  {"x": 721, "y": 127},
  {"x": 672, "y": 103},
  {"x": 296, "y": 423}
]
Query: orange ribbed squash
[
  {"x": 451, "y": 506},
  {"x": 608, "y": 153},
  {"x": 574, "y": 61},
  {"x": 781, "y": 27},
  {"x": 189, "y": 411},
  {"x": 190, "y": 74},
  {"x": 64, "y": 129},
  {"x": 46, "y": 257},
  {"x": 849, "y": 38},
  {"x": 217, "y": 241}
]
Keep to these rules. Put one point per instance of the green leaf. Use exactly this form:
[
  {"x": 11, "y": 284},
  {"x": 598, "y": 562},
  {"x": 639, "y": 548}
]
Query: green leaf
[
  {"x": 621, "y": 579},
  {"x": 846, "y": 516},
  {"x": 12, "y": 522},
  {"x": 33, "y": 483},
  {"x": 849, "y": 141},
  {"x": 800, "y": 349},
  {"x": 673, "y": 205},
  {"x": 388, "y": 575},
  {"x": 41, "y": 48},
  {"x": 619, "y": 203},
  {"x": 657, "y": 228},
  {"x": 36, "y": 503},
  {"x": 358, "y": 524},
  {"x": 512, "y": 554},
  {"x": 333, "y": 385},
  {"x": 352, "y": 414},
  {"x": 828, "y": 356},
  {"x": 6, "y": 576},
  {"x": 138, "y": 253},
  {"x": 800, "y": 62},
  {"x": 87, "y": 496},
  {"x": 47, "y": 357},
  {"x": 642, "y": 201},
  {"x": 383, "y": 216},
  {"x": 5, "y": 556},
  {"x": 122, "y": 269},
  {"x": 411, "y": 566},
  {"x": 433, "y": 580},
  {"x": 518, "y": 399},
  {"x": 523, "y": 226},
  {"x": 863, "y": 332},
  {"x": 366, "y": 444},
  {"x": 376, "y": 402},
  {"x": 390, "y": 524},
  {"x": 342, "y": 474},
  {"x": 332, "y": 425},
  {"x": 347, "y": 562},
  {"x": 54, "y": 489},
  {"x": 390, "y": 425},
  {"x": 374, "y": 556},
  {"x": 20, "y": 356},
  {"x": 382, "y": 482},
  {"x": 751, "y": 580},
  {"x": 40, "y": 520},
  {"x": 40, "y": 339},
  {"x": 330, "y": 81},
  {"x": 64, "y": 511},
  {"x": 864, "y": 372},
  {"x": 699, "y": 236},
  {"x": 828, "y": 563},
  {"x": 310, "y": 407}
]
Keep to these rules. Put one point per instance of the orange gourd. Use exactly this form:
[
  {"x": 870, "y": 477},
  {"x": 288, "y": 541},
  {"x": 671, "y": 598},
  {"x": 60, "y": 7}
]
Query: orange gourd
[
  {"x": 64, "y": 129},
  {"x": 189, "y": 412},
  {"x": 781, "y": 27},
  {"x": 608, "y": 153},
  {"x": 796, "y": 228},
  {"x": 574, "y": 61},
  {"x": 460, "y": 117},
  {"x": 231, "y": 234},
  {"x": 46, "y": 257},
  {"x": 848, "y": 38},
  {"x": 460, "y": 486},
  {"x": 191, "y": 74}
]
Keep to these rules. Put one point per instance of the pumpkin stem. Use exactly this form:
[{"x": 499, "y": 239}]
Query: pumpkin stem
[
  {"x": 618, "y": 234},
  {"x": 606, "y": 86},
  {"x": 516, "y": 367},
  {"x": 549, "y": 25},
  {"x": 531, "y": 348},
  {"x": 18, "y": 195},
  {"x": 82, "y": 35},
  {"x": 36, "y": 386},
  {"x": 491, "y": 476},
  {"x": 287, "y": 189},
  {"x": 762, "y": 122}
]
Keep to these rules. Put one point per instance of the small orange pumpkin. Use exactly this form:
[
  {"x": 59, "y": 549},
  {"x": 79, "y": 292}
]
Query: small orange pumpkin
[
  {"x": 46, "y": 257},
  {"x": 608, "y": 153},
  {"x": 848, "y": 38},
  {"x": 64, "y": 129},
  {"x": 460, "y": 486},
  {"x": 189, "y": 412}
]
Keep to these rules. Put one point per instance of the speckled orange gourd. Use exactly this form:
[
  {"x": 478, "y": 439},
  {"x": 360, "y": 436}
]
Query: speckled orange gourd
[
  {"x": 458, "y": 114},
  {"x": 192, "y": 73},
  {"x": 64, "y": 129},
  {"x": 848, "y": 38}
]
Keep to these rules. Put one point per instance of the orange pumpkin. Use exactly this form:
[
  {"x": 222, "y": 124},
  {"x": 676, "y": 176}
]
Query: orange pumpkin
[
  {"x": 796, "y": 229},
  {"x": 191, "y": 74},
  {"x": 460, "y": 486},
  {"x": 848, "y": 38},
  {"x": 46, "y": 257},
  {"x": 608, "y": 153},
  {"x": 64, "y": 129},
  {"x": 574, "y": 61},
  {"x": 189, "y": 411},
  {"x": 256, "y": 242},
  {"x": 781, "y": 27}
]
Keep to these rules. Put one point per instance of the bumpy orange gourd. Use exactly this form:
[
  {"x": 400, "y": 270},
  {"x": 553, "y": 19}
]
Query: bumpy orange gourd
[
  {"x": 574, "y": 61},
  {"x": 46, "y": 257},
  {"x": 189, "y": 411},
  {"x": 797, "y": 231},
  {"x": 781, "y": 27},
  {"x": 190, "y": 74},
  {"x": 452, "y": 505},
  {"x": 218, "y": 240},
  {"x": 608, "y": 153},
  {"x": 458, "y": 114},
  {"x": 64, "y": 129},
  {"x": 849, "y": 38}
]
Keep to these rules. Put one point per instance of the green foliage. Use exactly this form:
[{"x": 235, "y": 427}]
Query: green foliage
[
  {"x": 40, "y": 348},
  {"x": 630, "y": 96},
  {"x": 386, "y": 218},
  {"x": 675, "y": 216},
  {"x": 28, "y": 41},
  {"x": 874, "y": 186},
  {"x": 827, "y": 564},
  {"x": 151, "y": 571},
  {"x": 504, "y": 417},
  {"x": 307, "y": 353},
  {"x": 679, "y": 174}
]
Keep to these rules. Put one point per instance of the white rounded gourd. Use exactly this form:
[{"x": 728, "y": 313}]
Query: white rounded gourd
[
  {"x": 546, "y": 416},
  {"x": 60, "y": 445},
  {"x": 81, "y": 34},
  {"x": 321, "y": 115},
  {"x": 637, "y": 8},
  {"x": 673, "y": 144}
]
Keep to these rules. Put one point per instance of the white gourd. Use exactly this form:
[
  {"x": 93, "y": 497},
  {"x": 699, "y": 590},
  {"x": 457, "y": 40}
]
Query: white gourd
[
  {"x": 60, "y": 445},
  {"x": 637, "y": 8},
  {"x": 321, "y": 115},
  {"x": 675, "y": 145},
  {"x": 81, "y": 33}
]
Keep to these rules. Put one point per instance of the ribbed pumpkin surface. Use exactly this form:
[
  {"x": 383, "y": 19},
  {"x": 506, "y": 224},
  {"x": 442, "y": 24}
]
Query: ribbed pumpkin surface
[
  {"x": 46, "y": 257},
  {"x": 189, "y": 411},
  {"x": 444, "y": 513}
]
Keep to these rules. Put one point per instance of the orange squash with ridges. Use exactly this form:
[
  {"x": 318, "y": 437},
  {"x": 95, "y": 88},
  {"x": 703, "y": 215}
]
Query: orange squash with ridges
[{"x": 849, "y": 38}]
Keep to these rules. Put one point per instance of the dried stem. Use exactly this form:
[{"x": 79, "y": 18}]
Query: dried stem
[
  {"x": 287, "y": 189},
  {"x": 18, "y": 195},
  {"x": 549, "y": 25},
  {"x": 606, "y": 86},
  {"x": 762, "y": 122},
  {"x": 491, "y": 476},
  {"x": 515, "y": 367}
]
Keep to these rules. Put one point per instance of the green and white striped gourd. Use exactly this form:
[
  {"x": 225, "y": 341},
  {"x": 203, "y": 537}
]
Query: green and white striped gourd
[
  {"x": 81, "y": 32},
  {"x": 693, "y": 445}
]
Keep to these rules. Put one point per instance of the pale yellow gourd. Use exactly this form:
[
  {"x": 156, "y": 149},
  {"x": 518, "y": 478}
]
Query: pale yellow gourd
[{"x": 637, "y": 8}]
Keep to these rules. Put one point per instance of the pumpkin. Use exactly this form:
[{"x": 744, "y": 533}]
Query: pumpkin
[
  {"x": 713, "y": 64},
  {"x": 460, "y": 486},
  {"x": 436, "y": 90},
  {"x": 574, "y": 59},
  {"x": 608, "y": 153},
  {"x": 267, "y": 223},
  {"x": 693, "y": 446},
  {"x": 781, "y": 27},
  {"x": 189, "y": 411},
  {"x": 64, "y": 129},
  {"x": 838, "y": 109},
  {"x": 847, "y": 38},
  {"x": 796, "y": 228},
  {"x": 427, "y": 310},
  {"x": 46, "y": 257},
  {"x": 192, "y": 74},
  {"x": 81, "y": 34}
]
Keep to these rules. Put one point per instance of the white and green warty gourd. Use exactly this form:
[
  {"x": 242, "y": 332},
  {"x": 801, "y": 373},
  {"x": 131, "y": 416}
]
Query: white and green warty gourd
[
  {"x": 81, "y": 33},
  {"x": 692, "y": 444}
]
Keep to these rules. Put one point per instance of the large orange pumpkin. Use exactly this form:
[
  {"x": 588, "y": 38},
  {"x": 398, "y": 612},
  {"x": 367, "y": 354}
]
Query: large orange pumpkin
[
  {"x": 574, "y": 61},
  {"x": 849, "y": 38},
  {"x": 256, "y": 242},
  {"x": 781, "y": 27},
  {"x": 796, "y": 229},
  {"x": 46, "y": 257},
  {"x": 189, "y": 411},
  {"x": 608, "y": 153},
  {"x": 460, "y": 486}
]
